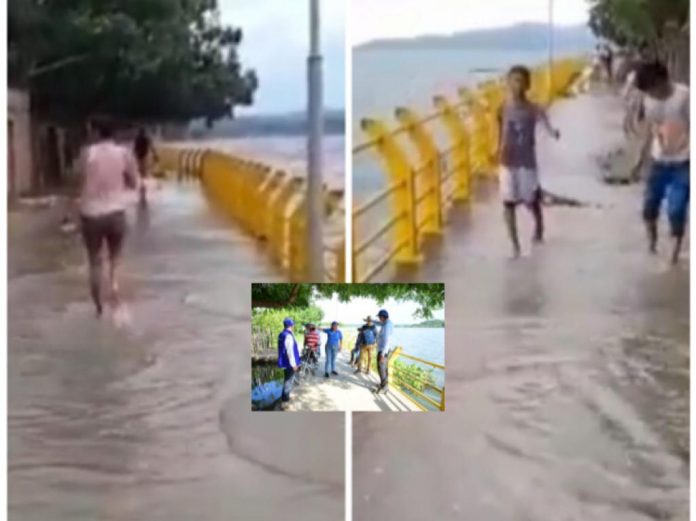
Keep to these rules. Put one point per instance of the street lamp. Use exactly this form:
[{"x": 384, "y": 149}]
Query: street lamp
[
  {"x": 551, "y": 48},
  {"x": 315, "y": 118}
]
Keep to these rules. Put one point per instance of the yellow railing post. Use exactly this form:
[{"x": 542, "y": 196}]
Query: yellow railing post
[
  {"x": 390, "y": 363},
  {"x": 262, "y": 212},
  {"x": 480, "y": 145},
  {"x": 459, "y": 141},
  {"x": 283, "y": 204},
  {"x": 398, "y": 170},
  {"x": 430, "y": 158}
]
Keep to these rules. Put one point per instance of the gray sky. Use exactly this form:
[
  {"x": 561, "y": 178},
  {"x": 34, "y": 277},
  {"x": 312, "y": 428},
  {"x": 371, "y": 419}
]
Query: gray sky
[
  {"x": 371, "y": 19},
  {"x": 358, "y": 308},
  {"x": 276, "y": 39}
]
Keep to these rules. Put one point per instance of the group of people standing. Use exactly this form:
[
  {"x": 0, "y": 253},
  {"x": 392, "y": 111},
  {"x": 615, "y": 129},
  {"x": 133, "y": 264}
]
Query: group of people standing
[{"x": 372, "y": 337}]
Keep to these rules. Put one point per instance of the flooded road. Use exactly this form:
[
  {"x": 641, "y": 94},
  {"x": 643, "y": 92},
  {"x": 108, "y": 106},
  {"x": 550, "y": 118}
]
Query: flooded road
[
  {"x": 567, "y": 370},
  {"x": 151, "y": 420}
]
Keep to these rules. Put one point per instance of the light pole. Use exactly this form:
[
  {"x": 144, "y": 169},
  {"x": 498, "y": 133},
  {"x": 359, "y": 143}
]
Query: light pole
[
  {"x": 315, "y": 118},
  {"x": 551, "y": 49}
]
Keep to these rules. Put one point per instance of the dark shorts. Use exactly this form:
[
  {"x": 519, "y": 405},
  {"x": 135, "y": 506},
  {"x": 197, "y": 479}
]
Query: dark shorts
[
  {"x": 671, "y": 181},
  {"x": 109, "y": 229}
]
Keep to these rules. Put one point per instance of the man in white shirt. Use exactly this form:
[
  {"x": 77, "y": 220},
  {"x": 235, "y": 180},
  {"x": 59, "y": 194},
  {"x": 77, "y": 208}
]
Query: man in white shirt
[{"x": 665, "y": 112}]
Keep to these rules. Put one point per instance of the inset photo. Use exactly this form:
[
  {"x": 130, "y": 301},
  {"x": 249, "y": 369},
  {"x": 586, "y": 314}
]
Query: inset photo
[{"x": 347, "y": 347}]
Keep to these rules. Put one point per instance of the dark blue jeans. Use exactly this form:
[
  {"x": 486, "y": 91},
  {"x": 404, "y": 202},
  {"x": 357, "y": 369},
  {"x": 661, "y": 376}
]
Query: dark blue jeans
[
  {"x": 288, "y": 382},
  {"x": 383, "y": 366},
  {"x": 330, "y": 364},
  {"x": 670, "y": 180}
]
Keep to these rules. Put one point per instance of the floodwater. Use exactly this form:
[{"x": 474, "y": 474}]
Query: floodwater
[
  {"x": 149, "y": 419},
  {"x": 567, "y": 370}
]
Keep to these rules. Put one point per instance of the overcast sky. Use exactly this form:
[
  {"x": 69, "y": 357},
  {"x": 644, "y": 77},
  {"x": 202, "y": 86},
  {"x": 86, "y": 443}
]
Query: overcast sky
[
  {"x": 354, "y": 311},
  {"x": 372, "y": 19},
  {"x": 276, "y": 40}
]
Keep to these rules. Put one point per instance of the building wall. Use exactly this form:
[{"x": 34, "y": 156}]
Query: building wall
[{"x": 20, "y": 172}]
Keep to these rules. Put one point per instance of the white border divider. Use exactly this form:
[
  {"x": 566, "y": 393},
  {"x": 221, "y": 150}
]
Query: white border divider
[{"x": 349, "y": 466}]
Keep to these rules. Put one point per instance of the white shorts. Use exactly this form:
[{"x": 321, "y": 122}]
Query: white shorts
[{"x": 518, "y": 185}]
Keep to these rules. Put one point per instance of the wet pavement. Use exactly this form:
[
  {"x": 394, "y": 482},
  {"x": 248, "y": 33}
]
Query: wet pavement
[
  {"x": 567, "y": 370},
  {"x": 150, "y": 419}
]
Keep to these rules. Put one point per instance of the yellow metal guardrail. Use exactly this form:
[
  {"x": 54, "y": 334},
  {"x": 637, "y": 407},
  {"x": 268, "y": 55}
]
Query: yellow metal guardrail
[
  {"x": 425, "y": 393},
  {"x": 267, "y": 203},
  {"x": 425, "y": 179}
]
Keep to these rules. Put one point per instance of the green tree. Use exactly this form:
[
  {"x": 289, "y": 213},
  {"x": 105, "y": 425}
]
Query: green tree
[
  {"x": 649, "y": 24},
  {"x": 429, "y": 297},
  {"x": 157, "y": 60},
  {"x": 272, "y": 319}
]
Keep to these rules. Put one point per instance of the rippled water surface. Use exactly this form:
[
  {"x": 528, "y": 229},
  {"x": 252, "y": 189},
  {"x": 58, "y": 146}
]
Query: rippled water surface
[
  {"x": 567, "y": 370},
  {"x": 150, "y": 419}
]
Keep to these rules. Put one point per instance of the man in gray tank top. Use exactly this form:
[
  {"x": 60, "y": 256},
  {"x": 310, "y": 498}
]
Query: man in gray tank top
[{"x": 519, "y": 179}]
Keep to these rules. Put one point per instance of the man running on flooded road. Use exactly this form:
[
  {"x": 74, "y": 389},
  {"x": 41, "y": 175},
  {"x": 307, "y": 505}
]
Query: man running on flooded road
[
  {"x": 384, "y": 338},
  {"x": 108, "y": 171},
  {"x": 142, "y": 147},
  {"x": 665, "y": 110}
]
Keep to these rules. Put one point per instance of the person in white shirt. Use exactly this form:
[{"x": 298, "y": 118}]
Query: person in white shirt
[{"x": 665, "y": 112}]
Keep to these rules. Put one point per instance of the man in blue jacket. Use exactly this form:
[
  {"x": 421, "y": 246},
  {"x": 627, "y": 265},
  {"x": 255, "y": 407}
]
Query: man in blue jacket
[{"x": 288, "y": 357}]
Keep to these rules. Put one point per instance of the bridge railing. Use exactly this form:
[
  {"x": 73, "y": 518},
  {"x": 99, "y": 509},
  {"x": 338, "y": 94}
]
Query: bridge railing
[
  {"x": 422, "y": 381},
  {"x": 268, "y": 203},
  {"x": 430, "y": 164}
]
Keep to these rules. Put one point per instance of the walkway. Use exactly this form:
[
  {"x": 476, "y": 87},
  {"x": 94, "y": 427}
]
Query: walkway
[
  {"x": 150, "y": 420},
  {"x": 567, "y": 370},
  {"x": 346, "y": 392}
]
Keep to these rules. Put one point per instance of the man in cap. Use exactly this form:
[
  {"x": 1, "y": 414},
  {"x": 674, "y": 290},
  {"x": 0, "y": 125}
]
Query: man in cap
[
  {"x": 334, "y": 343},
  {"x": 311, "y": 342},
  {"x": 288, "y": 357},
  {"x": 369, "y": 338},
  {"x": 384, "y": 339}
]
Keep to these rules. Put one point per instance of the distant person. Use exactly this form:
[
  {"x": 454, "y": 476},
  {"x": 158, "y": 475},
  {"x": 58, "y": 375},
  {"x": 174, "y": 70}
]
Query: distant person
[
  {"x": 519, "y": 177},
  {"x": 311, "y": 342},
  {"x": 143, "y": 149},
  {"x": 384, "y": 339},
  {"x": 665, "y": 111},
  {"x": 288, "y": 357},
  {"x": 334, "y": 344},
  {"x": 369, "y": 338},
  {"x": 355, "y": 353},
  {"x": 108, "y": 171},
  {"x": 606, "y": 56}
]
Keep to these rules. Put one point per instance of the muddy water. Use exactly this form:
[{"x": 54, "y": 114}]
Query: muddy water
[
  {"x": 567, "y": 370},
  {"x": 150, "y": 419}
]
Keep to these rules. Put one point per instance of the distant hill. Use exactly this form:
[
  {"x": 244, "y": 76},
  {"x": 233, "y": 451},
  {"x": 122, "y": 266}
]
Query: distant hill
[
  {"x": 426, "y": 323},
  {"x": 528, "y": 36},
  {"x": 292, "y": 124}
]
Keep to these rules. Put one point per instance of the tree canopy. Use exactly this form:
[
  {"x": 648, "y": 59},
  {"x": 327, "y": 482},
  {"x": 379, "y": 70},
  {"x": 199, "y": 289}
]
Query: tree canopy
[
  {"x": 647, "y": 24},
  {"x": 158, "y": 60},
  {"x": 429, "y": 297}
]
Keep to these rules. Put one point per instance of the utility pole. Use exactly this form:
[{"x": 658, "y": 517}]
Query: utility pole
[
  {"x": 551, "y": 48},
  {"x": 315, "y": 118}
]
